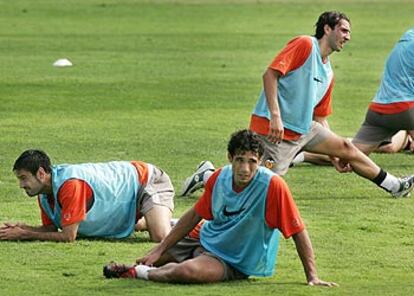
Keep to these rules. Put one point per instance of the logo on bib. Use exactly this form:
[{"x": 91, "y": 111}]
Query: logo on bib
[{"x": 231, "y": 213}]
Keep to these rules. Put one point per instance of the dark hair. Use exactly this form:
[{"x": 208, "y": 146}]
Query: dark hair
[
  {"x": 245, "y": 141},
  {"x": 31, "y": 160},
  {"x": 330, "y": 18}
]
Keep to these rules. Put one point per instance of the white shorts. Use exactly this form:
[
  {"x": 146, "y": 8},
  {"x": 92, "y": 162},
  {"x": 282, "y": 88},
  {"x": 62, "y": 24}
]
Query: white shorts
[{"x": 281, "y": 154}]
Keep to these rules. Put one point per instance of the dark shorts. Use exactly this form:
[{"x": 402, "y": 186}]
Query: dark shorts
[
  {"x": 189, "y": 248},
  {"x": 378, "y": 128}
]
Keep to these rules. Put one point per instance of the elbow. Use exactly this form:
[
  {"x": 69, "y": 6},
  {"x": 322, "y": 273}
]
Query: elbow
[
  {"x": 267, "y": 74},
  {"x": 270, "y": 74}
]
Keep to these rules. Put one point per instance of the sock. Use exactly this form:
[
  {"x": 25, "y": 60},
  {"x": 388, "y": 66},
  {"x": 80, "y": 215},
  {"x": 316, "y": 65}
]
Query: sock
[
  {"x": 207, "y": 175},
  {"x": 142, "y": 271},
  {"x": 299, "y": 158},
  {"x": 387, "y": 181},
  {"x": 173, "y": 221}
]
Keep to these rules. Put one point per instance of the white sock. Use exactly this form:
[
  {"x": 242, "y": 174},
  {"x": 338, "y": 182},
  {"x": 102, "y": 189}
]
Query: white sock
[
  {"x": 142, "y": 271},
  {"x": 173, "y": 221},
  {"x": 299, "y": 158},
  {"x": 207, "y": 175},
  {"x": 391, "y": 183}
]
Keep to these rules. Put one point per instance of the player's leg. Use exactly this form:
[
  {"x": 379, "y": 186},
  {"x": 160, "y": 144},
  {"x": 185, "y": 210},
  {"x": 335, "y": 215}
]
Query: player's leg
[
  {"x": 398, "y": 143},
  {"x": 327, "y": 142},
  {"x": 410, "y": 144},
  {"x": 202, "y": 269},
  {"x": 378, "y": 128},
  {"x": 141, "y": 225},
  {"x": 158, "y": 222},
  {"x": 185, "y": 262},
  {"x": 313, "y": 158},
  {"x": 158, "y": 204},
  {"x": 279, "y": 156}
]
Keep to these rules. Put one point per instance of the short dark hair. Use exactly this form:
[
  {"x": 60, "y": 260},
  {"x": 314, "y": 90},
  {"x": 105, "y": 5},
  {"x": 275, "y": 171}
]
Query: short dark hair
[
  {"x": 330, "y": 18},
  {"x": 31, "y": 160},
  {"x": 244, "y": 141}
]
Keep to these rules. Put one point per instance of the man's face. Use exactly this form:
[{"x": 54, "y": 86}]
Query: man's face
[
  {"x": 29, "y": 182},
  {"x": 244, "y": 166},
  {"x": 339, "y": 35}
]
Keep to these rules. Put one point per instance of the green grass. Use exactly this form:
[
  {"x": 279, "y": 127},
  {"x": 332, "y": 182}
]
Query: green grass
[{"x": 167, "y": 82}]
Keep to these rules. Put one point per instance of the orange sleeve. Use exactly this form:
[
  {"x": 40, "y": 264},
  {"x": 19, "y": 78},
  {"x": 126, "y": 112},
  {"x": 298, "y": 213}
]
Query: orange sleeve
[
  {"x": 281, "y": 210},
  {"x": 142, "y": 170},
  {"x": 73, "y": 197},
  {"x": 324, "y": 108},
  {"x": 293, "y": 55},
  {"x": 203, "y": 205},
  {"x": 45, "y": 219},
  {"x": 195, "y": 233}
]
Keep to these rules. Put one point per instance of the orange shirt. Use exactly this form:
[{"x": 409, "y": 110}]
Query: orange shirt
[
  {"x": 291, "y": 57},
  {"x": 281, "y": 211},
  {"x": 392, "y": 108},
  {"x": 75, "y": 197}
]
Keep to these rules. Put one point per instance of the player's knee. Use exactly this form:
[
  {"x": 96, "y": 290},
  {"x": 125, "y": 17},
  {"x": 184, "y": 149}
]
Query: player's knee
[
  {"x": 348, "y": 150},
  {"x": 159, "y": 234},
  {"x": 187, "y": 272}
]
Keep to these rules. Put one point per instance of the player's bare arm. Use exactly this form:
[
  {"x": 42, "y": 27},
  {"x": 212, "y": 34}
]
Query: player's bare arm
[
  {"x": 186, "y": 223},
  {"x": 46, "y": 233},
  {"x": 306, "y": 255},
  {"x": 270, "y": 80}
]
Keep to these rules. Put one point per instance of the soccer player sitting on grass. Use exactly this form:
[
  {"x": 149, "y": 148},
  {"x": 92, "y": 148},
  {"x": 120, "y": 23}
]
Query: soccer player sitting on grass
[
  {"x": 92, "y": 199},
  {"x": 245, "y": 205}
]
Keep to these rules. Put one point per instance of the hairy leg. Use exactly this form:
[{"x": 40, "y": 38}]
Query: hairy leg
[
  {"x": 342, "y": 148},
  {"x": 202, "y": 269}
]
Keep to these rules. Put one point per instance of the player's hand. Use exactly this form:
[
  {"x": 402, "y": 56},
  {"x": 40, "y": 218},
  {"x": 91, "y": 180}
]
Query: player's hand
[
  {"x": 9, "y": 225},
  {"x": 341, "y": 165},
  {"x": 276, "y": 130},
  {"x": 318, "y": 282},
  {"x": 153, "y": 256},
  {"x": 12, "y": 233}
]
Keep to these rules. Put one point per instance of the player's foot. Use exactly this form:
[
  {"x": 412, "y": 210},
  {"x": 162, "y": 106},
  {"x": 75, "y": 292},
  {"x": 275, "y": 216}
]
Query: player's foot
[
  {"x": 195, "y": 181},
  {"x": 117, "y": 270},
  {"x": 406, "y": 186}
]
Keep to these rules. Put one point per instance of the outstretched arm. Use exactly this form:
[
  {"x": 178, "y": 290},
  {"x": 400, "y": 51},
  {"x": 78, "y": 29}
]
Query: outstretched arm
[
  {"x": 186, "y": 223},
  {"x": 305, "y": 252},
  {"x": 20, "y": 231}
]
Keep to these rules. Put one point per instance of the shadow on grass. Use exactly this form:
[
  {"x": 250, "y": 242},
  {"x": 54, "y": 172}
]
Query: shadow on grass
[{"x": 129, "y": 240}]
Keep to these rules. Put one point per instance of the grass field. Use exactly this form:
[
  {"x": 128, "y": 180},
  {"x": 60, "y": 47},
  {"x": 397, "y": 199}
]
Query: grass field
[{"x": 167, "y": 82}]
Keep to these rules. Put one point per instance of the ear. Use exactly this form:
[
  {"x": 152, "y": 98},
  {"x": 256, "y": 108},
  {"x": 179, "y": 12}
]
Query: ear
[
  {"x": 327, "y": 29},
  {"x": 41, "y": 174}
]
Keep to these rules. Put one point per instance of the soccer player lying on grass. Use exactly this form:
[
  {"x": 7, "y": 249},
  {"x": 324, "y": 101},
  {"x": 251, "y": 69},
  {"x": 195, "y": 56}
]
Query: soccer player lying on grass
[
  {"x": 92, "y": 199},
  {"x": 291, "y": 113},
  {"x": 245, "y": 206}
]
